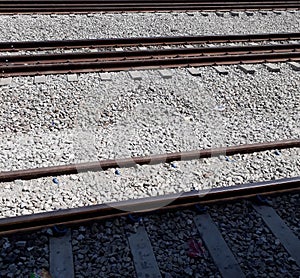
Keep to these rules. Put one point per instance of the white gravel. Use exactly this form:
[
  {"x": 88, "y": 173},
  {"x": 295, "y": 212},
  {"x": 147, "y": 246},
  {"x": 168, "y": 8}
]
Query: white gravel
[
  {"x": 26, "y": 197},
  {"x": 61, "y": 122},
  {"x": 45, "y": 27}
]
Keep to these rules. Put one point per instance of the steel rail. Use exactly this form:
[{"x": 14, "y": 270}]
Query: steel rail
[
  {"x": 118, "y": 2},
  {"x": 87, "y": 9},
  {"x": 150, "y": 63},
  {"x": 86, "y": 214},
  {"x": 144, "y": 41},
  {"x": 144, "y": 160},
  {"x": 59, "y": 5},
  {"x": 144, "y": 54},
  {"x": 132, "y": 6}
]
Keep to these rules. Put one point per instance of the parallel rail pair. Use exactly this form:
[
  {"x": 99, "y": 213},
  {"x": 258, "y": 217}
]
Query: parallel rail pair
[
  {"x": 67, "y": 6},
  {"x": 185, "y": 199},
  {"x": 128, "y": 59}
]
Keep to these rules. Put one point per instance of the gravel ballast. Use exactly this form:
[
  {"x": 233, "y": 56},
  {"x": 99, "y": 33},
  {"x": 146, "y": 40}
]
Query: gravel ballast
[
  {"x": 287, "y": 206},
  {"x": 62, "y": 122},
  {"x": 170, "y": 234},
  {"x": 23, "y": 255},
  {"x": 26, "y": 197},
  {"x": 256, "y": 249},
  {"x": 102, "y": 250},
  {"x": 45, "y": 27}
]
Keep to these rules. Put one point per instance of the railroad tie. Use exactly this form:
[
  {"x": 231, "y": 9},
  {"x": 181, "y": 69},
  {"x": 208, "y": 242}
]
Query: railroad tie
[
  {"x": 278, "y": 227},
  {"x": 217, "y": 247},
  {"x": 144, "y": 259},
  {"x": 61, "y": 256}
]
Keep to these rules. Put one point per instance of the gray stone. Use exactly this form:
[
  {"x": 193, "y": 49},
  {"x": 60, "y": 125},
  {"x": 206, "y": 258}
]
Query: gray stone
[
  {"x": 263, "y": 12},
  {"x": 294, "y": 65},
  {"x": 80, "y": 237},
  {"x": 21, "y": 243},
  {"x": 166, "y": 74},
  {"x": 194, "y": 71},
  {"x": 190, "y": 13},
  {"x": 40, "y": 79},
  {"x": 72, "y": 77},
  {"x": 74, "y": 177},
  {"x": 135, "y": 75},
  {"x": 272, "y": 67},
  {"x": 249, "y": 13},
  {"x": 188, "y": 271},
  {"x": 105, "y": 76},
  {"x": 234, "y": 13},
  {"x": 5, "y": 81},
  {"x": 293, "y": 42},
  {"x": 143, "y": 48},
  {"x": 82, "y": 229},
  {"x": 247, "y": 68},
  {"x": 221, "y": 70},
  {"x": 49, "y": 232}
]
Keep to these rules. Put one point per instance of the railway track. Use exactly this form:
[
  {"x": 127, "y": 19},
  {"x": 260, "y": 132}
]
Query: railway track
[
  {"x": 49, "y": 6},
  {"x": 246, "y": 230},
  {"x": 242, "y": 220},
  {"x": 146, "y": 160},
  {"x": 143, "y": 205},
  {"x": 145, "y": 41},
  {"x": 210, "y": 215},
  {"x": 18, "y": 65},
  {"x": 84, "y": 214},
  {"x": 206, "y": 214}
]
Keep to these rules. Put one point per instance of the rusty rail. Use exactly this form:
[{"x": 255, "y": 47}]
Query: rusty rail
[
  {"x": 144, "y": 160},
  {"x": 144, "y": 41},
  {"x": 80, "y": 215},
  {"x": 143, "y": 54},
  {"x": 126, "y": 60},
  {"x": 66, "y": 6}
]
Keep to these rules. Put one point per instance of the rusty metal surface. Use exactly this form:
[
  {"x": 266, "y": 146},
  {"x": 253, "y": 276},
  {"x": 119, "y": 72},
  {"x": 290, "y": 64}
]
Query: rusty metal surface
[
  {"x": 145, "y": 54},
  {"x": 144, "y": 41},
  {"x": 127, "y": 60},
  {"x": 46, "y": 6},
  {"x": 144, "y": 160},
  {"x": 173, "y": 201}
]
